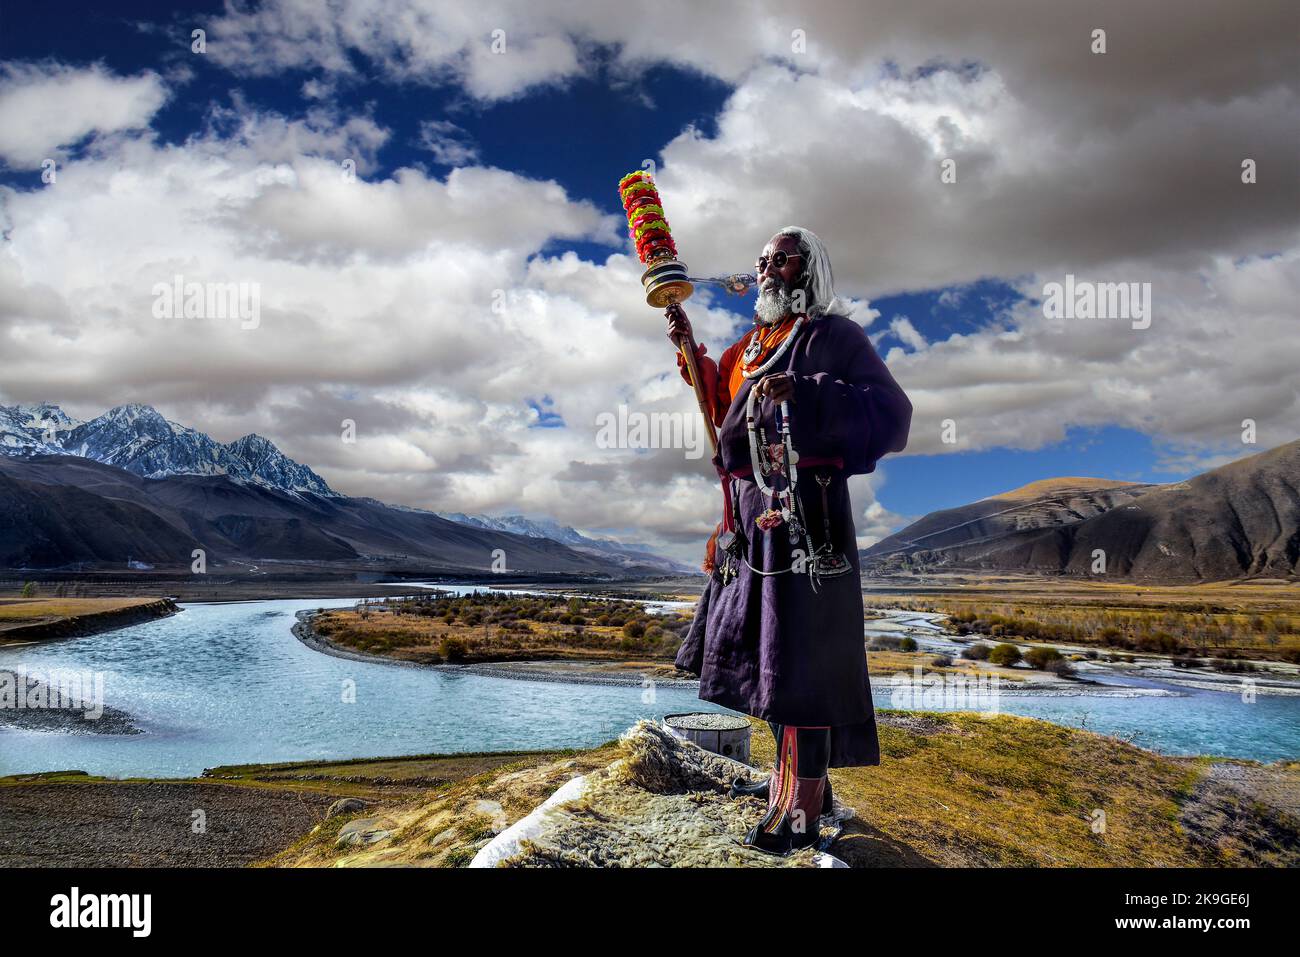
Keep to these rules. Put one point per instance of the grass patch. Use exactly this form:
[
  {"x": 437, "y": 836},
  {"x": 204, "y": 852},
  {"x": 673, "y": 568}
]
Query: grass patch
[{"x": 494, "y": 627}]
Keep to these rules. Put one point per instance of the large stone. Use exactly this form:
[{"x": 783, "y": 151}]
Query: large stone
[
  {"x": 364, "y": 830},
  {"x": 443, "y": 837},
  {"x": 345, "y": 806},
  {"x": 494, "y": 812}
]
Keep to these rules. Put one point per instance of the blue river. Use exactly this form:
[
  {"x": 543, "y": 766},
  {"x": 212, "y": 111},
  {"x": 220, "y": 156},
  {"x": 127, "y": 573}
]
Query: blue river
[{"x": 230, "y": 684}]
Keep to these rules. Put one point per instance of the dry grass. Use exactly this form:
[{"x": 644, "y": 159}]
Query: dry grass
[
  {"x": 28, "y": 610},
  {"x": 1248, "y": 621},
  {"x": 953, "y": 789},
  {"x": 1007, "y": 791},
  {"x": 495, "y": 628}
]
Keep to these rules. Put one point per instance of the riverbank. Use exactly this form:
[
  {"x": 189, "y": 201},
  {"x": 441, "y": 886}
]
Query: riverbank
[
  {"x": 953, "y": 790},
  {"x": 26, "y": 620},
  {"x": 900, "y": 673},
  {"x": 632, "y": 672},
  {"x": 1090, "y": 665},
  {"x": 1235, "y": 623}
]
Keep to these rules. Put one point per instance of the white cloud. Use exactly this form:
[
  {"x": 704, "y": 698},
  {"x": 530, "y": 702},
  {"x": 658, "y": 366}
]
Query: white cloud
[
  {"x": 423, "y": 308},
  {"x": 47, "y": 107},
  {"x": 448, "y": 143},
  {"x": 418, "y": 307},
  {"x": 907, "y": 333},
  {"x": 1209, "y": 360}
]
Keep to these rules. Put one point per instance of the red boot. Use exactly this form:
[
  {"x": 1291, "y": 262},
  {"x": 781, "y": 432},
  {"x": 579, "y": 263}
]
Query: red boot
[{"x": 794, "y": 803}]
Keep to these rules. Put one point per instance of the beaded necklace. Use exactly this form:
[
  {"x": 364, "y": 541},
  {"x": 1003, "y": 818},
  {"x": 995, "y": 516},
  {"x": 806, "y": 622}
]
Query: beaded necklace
[
  {"x": 756, "y": 341},
  {"x": 779, "y": 458}
]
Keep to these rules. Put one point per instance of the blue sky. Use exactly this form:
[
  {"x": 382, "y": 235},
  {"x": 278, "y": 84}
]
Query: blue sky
[{"x": 944, "y": 278}]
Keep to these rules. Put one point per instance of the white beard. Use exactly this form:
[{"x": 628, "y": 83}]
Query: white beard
[{"x": 774, "y": 304}]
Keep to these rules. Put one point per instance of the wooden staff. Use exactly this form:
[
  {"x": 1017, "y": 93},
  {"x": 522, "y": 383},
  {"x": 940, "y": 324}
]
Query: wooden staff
[{"x": 686, "y": 346}]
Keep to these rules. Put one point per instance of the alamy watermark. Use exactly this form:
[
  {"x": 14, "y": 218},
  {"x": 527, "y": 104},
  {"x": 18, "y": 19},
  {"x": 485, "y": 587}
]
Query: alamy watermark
[
  {"x": 1081, "y": 299},
  {"x": 651, "y": 430},
  {"x": 61, "y": 689},
  {"x": 919, "y": 691},
  {"x": 209, "y": 300}
]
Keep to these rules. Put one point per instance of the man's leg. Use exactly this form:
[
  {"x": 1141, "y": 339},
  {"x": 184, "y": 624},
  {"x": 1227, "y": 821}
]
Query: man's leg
[{"x": 797, "y": 793}]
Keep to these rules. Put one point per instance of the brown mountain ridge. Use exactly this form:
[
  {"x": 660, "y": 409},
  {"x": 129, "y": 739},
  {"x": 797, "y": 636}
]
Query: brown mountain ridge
[{"x": 1241, "y": 520}]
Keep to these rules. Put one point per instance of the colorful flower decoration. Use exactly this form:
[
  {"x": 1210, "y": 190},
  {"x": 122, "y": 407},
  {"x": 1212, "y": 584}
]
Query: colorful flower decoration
[{"x": 646, "y": 222}]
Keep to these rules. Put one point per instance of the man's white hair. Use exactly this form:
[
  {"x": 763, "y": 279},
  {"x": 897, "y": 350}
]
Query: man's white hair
[{"x": 819, "y": 283}]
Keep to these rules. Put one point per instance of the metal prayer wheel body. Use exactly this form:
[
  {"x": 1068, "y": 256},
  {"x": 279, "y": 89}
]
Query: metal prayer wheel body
[{"x": 666, "y": 282}]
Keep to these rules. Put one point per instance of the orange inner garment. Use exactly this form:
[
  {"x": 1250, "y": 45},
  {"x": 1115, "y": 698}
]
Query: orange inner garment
[{"x": 771, "y": 338}]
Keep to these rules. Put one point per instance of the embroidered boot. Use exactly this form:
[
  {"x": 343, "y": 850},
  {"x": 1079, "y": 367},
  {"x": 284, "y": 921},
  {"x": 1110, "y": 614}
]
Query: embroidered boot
[
  {"x": 742, "y": 787},
  {"x": 797, "y": 793}
]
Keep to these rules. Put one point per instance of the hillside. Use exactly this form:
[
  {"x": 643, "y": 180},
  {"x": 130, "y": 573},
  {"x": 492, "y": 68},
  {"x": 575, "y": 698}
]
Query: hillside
[
  {"x": 1241, "y": 520},
  {"x": 57, "y": 510},
  {"x": 56, "y": 525}
]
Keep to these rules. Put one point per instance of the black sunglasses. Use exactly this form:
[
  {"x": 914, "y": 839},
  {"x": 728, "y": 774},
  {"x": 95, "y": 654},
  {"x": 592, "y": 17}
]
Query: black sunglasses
[{"x": 778, "y": 259}]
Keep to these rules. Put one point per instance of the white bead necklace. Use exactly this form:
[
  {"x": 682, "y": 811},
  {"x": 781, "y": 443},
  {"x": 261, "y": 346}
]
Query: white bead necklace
[
  {"x": 780, "y": 351},
  {"x": 791, "y": 456}
]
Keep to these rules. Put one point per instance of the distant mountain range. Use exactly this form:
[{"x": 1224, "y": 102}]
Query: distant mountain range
[
  {"x": 131, "y": 484},
  {"x": 138, "y": 439},
  {"x": 626, "y": 554},
  {"x": 1241, "y": 520}
]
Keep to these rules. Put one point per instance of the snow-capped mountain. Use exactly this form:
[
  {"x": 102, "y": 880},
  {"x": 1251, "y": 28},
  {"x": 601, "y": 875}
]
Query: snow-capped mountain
[
  {"x": 620, "y": 553},
  {"x": 33, "y": 429},
  {"x": 522, "y": 526},
  {"x": 272, "y": 467},
  {"x": 137, "y": 438}
]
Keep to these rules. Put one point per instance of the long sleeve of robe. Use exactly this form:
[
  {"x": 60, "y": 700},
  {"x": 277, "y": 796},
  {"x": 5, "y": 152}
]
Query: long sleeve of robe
[{"x": 771, "y": 645}]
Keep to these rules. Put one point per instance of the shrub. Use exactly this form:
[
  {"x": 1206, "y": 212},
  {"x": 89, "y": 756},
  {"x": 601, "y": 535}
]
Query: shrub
[
  {"x": 452, "y": 649},
  {"x": 907, "y": 644},
  {"x": 1040, "y": 657},
  {"x": 977, "y": 652},
  {"x": 29, "y": 590},
  {"x": 1004, "y": 654},
  {"x": 634, "y": 629},
  {"x": 941, "y": 661},
  {"x": 1061, "y": 668}
]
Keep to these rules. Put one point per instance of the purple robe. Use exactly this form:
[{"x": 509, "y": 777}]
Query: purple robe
[{"x": 769, "y": 646}]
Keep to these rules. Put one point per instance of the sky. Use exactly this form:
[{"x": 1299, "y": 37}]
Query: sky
[{"x": 423, "y": 195}]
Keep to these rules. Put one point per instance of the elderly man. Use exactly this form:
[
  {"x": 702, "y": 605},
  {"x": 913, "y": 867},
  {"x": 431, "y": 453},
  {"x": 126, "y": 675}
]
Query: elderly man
[{"x": 778, "y": 631}]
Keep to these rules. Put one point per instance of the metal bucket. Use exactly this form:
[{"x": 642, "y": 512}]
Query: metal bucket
[{"x": 724, "y": 734}]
